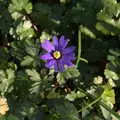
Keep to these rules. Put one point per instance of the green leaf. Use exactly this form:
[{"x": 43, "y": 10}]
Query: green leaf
[
  {"x": 109, "y": 24},
  {"x": 27, "y": 60},
  {"x": 60, "y": 78},
  {"x": 112, "y": 68},
  {"x": 6, "y": 79},
  {"x": 102, "y": 28},
  {"x": 11, "y": 117},
  {"x": 44, "y": 36},
  {"x": 111, "y": 75},
  {"x": 34, "y": 75},
  {"x": 91, "y": 115},
  {"x": 71, "y": 96},
  {"x": 25, "y": 30},
  {"x": 108, "y": 95},
  {"x": 106, "y": 113},
  {"x": 67, "y": 74},
  {"x": 16, "y": 7},
  {"x": 71, "y": 73},
  {"x": 74, "y": 95},
  {"x": 88, "y": 32},
  {"x": 115, "y": 52},
  {"x": 62, "y": 110},
  {"x": 10, "y": 75}
]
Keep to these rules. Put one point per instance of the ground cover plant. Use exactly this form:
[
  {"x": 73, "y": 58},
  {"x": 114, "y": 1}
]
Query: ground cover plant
[{"x": 59, "y": 59}]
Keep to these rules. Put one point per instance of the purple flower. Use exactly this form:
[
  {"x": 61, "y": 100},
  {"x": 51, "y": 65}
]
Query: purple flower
[{"x": 58, "y": 55}]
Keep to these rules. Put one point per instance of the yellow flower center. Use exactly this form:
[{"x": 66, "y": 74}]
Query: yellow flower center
[{"x": 56, "y": 54}]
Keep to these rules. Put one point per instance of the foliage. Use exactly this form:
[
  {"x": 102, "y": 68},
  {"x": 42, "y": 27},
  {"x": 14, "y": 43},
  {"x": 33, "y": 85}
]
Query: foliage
[{"x": 87, "y": 91}]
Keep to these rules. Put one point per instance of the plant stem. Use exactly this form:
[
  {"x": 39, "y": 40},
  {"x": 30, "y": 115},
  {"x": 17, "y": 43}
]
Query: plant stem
[
  {"x": 90, "y": 105},
  {"x": 79, "y": 46},
  {"x": 102, "y": 104}
]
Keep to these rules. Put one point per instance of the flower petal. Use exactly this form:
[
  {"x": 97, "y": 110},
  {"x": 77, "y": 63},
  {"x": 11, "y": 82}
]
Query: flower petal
[
  {"x": 50, "y": 63},
  {"x": 62, "y": 42},
  {"x": 61, "y": 65},
  {"x": 46, "y": 56},
  {"x": 55, "y": 42},
  {"x": 68, "y": 57},
  {"x": 68, "y": 50},
  {"x": 69, "y": 63},
  {"x": 47, "y": 46},
  {"x": 56, "y": 67}
]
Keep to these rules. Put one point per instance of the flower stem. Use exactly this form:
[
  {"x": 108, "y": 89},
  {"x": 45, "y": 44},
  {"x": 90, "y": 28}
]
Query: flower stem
[{"x": 79, "y": 46}]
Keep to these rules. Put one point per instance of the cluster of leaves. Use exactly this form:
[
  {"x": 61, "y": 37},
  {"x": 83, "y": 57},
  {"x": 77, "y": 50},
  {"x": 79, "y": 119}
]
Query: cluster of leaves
[{"x": 84, "y": 92}]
